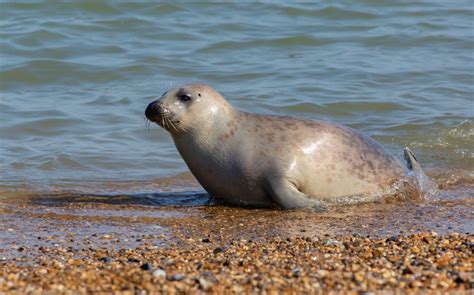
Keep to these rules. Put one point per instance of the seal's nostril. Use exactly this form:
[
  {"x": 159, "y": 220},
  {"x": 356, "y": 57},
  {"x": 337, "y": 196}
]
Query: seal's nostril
[{"x": 154, "y": 109}]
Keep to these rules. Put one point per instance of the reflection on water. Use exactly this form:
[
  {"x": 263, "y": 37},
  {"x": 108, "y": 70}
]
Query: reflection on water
[{"x": 184, "y": 198}]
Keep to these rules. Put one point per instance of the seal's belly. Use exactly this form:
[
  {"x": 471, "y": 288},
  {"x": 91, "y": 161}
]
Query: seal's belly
[
  {"x": 227, "y": 178},
  {"x": 229, "y": 184}
]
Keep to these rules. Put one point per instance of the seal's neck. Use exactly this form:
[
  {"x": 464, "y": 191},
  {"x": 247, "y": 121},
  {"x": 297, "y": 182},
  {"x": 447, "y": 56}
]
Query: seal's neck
[{"x": 213, "y": 130}]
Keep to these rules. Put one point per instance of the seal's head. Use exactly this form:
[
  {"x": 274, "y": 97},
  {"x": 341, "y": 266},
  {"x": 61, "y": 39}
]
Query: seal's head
[{"x": 186, "y": 107}]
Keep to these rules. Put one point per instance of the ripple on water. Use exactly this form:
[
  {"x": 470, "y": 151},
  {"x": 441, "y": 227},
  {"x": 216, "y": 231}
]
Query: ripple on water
[
  {"x": 107, "y": 100},
  {"x": 50, "y": 71},
  {"x": 302, "y": 40},
  {"x": 35, "y": 39},
  {"x": 50, "y": 127},
  {"x": 330, "y": 13}
]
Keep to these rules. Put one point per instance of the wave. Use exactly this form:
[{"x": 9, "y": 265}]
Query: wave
[{"x": 299, "y": 40}]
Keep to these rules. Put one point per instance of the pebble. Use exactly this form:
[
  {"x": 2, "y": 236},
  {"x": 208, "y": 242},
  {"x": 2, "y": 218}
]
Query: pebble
[
  {"x": 176, "y": 277},
  {"x": 392, "y": 239},
  {"x": 146, "y": 266},
  {"x": 204, "y": 284},
  {"x": 296, "y": 272},
  {"x": 159, "y": 273},
  {"x": 105, "y": 259},
  {"x": 218, "y": 250},
  {"x": 333, "y": 242}
]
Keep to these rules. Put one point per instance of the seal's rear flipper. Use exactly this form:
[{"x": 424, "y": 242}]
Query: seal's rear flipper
[
  {"x": 412, "y": 161},
  {"x": 427, "y": 186}
]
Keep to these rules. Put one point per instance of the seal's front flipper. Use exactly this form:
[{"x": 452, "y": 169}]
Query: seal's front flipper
[{"x": 287, "y": 196}]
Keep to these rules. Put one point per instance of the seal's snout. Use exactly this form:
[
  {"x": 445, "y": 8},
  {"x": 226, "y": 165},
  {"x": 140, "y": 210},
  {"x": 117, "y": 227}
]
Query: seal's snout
[{"x": 153, "y": 110}]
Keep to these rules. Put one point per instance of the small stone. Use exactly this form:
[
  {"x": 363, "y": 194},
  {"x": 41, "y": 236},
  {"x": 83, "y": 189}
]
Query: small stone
[
  {"x": 133, "y": 260},
  {"x": 204, "y": 284},
  {"x": 206, "y": 240},
  {"x": 392, "y": 239},
  {"x": 159, "y": 273},
  {"x": 105, "y": 259},
  {"x": 176, "y": 277},
  {"x": 146, "y": 266},
  {"x": 296, "y": 272},
  {"x": 218, "y": 250},
  {"x": 332, "y": 242},
  {"x": 323, "y": 273},
  {"x": 21, "y": 249},
  {"x": 378, "y": 251},
  {"x": 463, "y": 277}
]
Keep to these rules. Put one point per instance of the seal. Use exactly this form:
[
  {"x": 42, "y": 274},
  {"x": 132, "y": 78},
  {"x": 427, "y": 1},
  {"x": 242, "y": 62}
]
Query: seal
[{"x": 267, "y": 160}]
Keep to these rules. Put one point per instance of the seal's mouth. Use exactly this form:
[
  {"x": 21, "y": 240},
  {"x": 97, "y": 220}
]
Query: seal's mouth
[{"x": 161, "y": 116}]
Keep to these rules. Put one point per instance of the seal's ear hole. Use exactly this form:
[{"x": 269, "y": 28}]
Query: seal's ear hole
[{"x": 199, "y": 94}]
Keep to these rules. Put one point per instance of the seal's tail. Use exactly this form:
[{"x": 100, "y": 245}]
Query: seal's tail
[{"x": 427, "y": 186}]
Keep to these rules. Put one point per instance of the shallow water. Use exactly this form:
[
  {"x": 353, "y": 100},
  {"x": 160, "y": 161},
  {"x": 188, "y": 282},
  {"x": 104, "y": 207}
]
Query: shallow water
[{"x": 75, "y": 79}]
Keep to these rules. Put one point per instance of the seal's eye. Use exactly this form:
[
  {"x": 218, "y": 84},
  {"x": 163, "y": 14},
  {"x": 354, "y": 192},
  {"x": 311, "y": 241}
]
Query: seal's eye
[{"x": 184, "y": 97}]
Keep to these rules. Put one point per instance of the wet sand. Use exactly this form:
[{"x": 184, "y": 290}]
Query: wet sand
[{"x": 173, "y": 242}]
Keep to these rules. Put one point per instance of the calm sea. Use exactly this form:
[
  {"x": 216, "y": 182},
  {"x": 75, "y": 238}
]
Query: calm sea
[{"x": 75, "y": 79}]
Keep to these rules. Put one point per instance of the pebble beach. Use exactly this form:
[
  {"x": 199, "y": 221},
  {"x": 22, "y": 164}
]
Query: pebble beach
[
  {"x": 85, "y": 246},
  {"x": 352, "y": 264}
]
